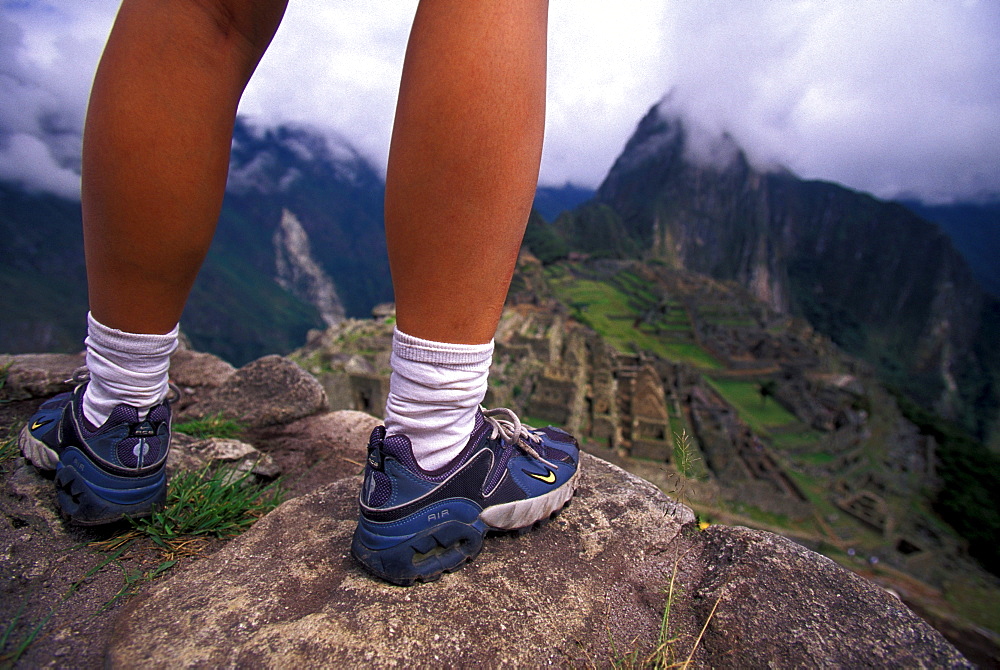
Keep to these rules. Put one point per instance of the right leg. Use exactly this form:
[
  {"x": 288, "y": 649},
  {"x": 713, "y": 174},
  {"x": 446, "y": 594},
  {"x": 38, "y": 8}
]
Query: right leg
[
  {"x": 462, "y": 170},
  {"x": 156, "y": 149},
  {"x": 155, "y": 160}
]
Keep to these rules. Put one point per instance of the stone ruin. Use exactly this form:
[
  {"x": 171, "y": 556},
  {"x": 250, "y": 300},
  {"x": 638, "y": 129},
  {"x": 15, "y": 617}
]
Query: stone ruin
[{"x": 550, "y": 369}]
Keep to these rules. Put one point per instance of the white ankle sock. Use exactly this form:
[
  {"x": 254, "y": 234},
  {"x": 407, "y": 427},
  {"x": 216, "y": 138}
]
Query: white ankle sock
[
  {"x": 434, "y": 391},
  {"x": 125, "y": 368}
]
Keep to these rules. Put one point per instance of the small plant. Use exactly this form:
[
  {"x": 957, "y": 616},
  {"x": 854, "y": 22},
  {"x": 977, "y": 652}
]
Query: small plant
[
  {"x": 136, "y": 578},
  {"x": 767, "y": 389},
  {"x": 684, "y": 460},
  {"x": 208, "y": 503},
  {"x": 11, "y": 650},
  {"x": 684, "y": 457},
  {"x": 4, "y": 372},
  {"x": 8, "y": 446},
  {"x": 214, "y": 425},
  {"x": 205, "y": 503},
  {"x": 666, "y": 653}
]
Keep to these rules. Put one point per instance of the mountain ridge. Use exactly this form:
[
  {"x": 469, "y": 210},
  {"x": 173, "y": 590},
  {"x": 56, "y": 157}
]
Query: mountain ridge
[
  {"x": 238, "y": 307},
  {"x": 882, "y": 282}
]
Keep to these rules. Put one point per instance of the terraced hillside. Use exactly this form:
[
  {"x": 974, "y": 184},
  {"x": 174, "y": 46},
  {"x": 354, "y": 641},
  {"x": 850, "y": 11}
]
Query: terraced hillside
[{"x": 748, "y": 415}]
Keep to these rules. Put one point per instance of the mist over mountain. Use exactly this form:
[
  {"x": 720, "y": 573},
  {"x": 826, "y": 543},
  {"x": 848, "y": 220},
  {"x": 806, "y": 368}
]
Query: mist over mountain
[
  {"x": 879, "y": 280},
  {"x": 300, "y": 243},
  {"x": 265, "y": 281}
]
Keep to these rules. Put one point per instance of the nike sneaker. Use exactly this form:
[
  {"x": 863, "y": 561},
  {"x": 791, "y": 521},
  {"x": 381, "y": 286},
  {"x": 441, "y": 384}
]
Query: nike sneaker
[
  {"x": 416, "y": 524},
  {"x": 102, "y": 473}
]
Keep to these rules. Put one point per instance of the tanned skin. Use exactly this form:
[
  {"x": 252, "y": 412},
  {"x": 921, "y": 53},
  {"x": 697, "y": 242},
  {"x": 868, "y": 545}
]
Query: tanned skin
[{"x": 462, "y": 169}]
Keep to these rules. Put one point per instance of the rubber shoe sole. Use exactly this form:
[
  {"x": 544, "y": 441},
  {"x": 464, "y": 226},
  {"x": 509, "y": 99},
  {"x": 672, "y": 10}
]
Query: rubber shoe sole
[
  {"x": 89, "y": 496},
  {"x": 447, "y": 546}
]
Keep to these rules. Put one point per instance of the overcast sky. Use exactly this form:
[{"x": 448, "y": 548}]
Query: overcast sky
[{"x": 888, "y": 96}]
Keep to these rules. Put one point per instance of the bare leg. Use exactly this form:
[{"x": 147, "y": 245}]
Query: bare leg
[
  {"x": 463, "y": 163},
  {"x": 156, "y": 149}
]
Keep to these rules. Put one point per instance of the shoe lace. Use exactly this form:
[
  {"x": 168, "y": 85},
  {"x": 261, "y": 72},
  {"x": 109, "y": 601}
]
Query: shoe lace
[{"x": 513, "y": 431}]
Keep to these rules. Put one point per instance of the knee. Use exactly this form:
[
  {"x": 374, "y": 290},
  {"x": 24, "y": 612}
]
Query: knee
[{"x": 252, "y": 22}]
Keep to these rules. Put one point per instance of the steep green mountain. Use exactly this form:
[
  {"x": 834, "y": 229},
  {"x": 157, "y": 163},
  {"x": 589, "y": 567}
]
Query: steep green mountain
[
  {"x": 974, "y": 229},
  {"x": 334, "y": 196},
  {"x": 43, "y": 289},
  {"x": 881, "y": 282},
  {"x": 302, "y": 220},
  {"x": 551, "y": 201}
]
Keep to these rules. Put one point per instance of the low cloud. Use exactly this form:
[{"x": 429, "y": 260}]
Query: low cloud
[
  {"x": 26, "y": 160},
  {"x": 890, "y": 98}
]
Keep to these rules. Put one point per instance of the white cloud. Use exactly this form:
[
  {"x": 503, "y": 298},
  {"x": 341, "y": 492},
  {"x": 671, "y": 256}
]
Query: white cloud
[
  {"x": 883, "y": 96},
  {"x": 25, "y": 159},
  {"x": 888, "y": 97},
  {"x": 336, "y": 66}
]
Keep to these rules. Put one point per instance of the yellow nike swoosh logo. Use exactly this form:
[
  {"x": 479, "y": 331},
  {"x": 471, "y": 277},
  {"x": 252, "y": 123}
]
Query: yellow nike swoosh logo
[
  {"x": 548, "y": 478},
  {"x": 38, "y": 424}
]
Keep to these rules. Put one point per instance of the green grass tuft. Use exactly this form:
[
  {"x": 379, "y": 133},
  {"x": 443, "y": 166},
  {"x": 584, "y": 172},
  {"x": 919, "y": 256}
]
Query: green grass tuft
[
  {"x": 214, "y": 425},
  {"x": 8, "y": 446},
  {"x": 209, "y": 502}
]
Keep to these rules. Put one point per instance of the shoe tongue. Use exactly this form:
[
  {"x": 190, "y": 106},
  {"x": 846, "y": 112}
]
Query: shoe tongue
[
  {"x": 398, "y": 446},
  {"x": 122, "y": 414}
]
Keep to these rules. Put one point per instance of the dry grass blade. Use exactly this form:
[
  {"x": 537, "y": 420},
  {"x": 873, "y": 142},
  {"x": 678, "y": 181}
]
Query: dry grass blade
[{"x": 702, "y": 633}]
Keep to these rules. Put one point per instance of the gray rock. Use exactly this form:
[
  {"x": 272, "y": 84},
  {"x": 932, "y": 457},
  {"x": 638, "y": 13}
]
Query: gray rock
[
  {"x": 31, "y": 499},
  {"x": 319, "y": 449},
  {"x": 38, "y": 375},
  {"x": 268, "y": 391},
  {"x": 583, "y": 590},
  {"x": 196, "y": 374},
  {"x": 196, "y": 369},
  {"x": 190, "y": 454},
  {"x": 358, "y": 365},
  {"x": 287, "y": 593},
  {"x": 777, "y": 604}
]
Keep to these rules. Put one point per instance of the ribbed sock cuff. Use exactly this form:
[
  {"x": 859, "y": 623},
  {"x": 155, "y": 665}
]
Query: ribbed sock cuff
[
  {"x": 426, "y": 351},
  {"x": 125, "y": 368},
  {"x": 434, "y": 391}
]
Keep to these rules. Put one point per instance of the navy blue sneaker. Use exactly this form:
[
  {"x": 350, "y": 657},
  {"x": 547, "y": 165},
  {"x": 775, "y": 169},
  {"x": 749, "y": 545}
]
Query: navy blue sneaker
[
  {"x": 416, "y": 524},
  {"x": 102, "y": 473}
]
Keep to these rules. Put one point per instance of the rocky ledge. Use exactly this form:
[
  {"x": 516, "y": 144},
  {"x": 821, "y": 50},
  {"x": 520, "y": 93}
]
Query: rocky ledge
[{"x": 589, "y": 588}]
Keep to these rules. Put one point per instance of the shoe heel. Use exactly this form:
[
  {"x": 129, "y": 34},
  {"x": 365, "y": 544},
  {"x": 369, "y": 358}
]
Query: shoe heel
[
  {"x": 422, "y": 557},
  {"x": 90, "y": 497}
]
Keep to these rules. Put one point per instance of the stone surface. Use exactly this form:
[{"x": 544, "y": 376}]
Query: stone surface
[
  {"x": 187, "y": 453},
  {"x": 288, "y": 594},
  {"x": 31, "y": 499},
  {"x": 38, "y": 375},
  {"x": 318, "y": 450},
  {"x": 777, "y": 604},
  {"x": 196, "y": 374},
  {"x": 194, "y": 368},
  {"x": 581, "y": 591},
  {"x": 268, "y": 391}
]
